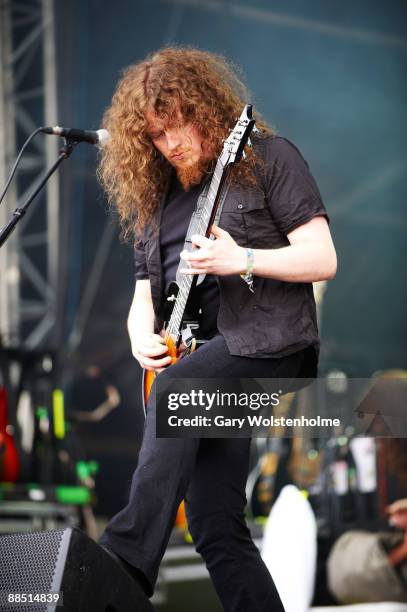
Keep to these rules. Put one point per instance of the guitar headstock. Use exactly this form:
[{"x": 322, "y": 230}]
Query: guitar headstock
[{"x": 233, "y": 147}]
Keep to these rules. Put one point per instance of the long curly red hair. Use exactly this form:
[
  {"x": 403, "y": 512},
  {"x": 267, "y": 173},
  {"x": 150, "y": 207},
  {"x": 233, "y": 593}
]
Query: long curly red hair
[{"x": 206, "y": 89}]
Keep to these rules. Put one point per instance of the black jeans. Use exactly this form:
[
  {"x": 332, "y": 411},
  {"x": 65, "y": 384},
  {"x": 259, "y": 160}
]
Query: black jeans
[{"x": 211, "y": 475}]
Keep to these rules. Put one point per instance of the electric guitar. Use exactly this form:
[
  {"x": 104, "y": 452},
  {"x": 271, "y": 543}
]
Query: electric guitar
[{"x": 175, "y": 331}]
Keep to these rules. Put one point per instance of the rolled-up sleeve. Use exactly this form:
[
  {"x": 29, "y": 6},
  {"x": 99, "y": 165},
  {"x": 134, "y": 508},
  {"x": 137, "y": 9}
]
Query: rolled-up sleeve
[{"x": 291, "y": 190}]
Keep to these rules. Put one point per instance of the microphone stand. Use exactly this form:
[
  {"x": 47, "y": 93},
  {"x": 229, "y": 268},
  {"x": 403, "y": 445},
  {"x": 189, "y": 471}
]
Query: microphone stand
[{"x": 19, "y": 212}]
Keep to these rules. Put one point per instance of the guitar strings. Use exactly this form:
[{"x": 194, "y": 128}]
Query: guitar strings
[
  {"x": 186, "y": 282},
  {"x": 174, "y": 325}
]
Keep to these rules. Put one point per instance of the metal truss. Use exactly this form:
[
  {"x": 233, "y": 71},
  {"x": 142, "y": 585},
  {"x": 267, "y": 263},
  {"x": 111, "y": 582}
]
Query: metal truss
[{"x": 28, "y": 99}]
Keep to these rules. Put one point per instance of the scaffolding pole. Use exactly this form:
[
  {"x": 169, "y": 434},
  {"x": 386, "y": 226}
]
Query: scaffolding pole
[{"x": 29, "y": 261}]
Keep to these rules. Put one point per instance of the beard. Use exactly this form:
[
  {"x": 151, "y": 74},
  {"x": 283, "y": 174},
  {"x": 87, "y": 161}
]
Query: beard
[{"x": 192, "y": 174}]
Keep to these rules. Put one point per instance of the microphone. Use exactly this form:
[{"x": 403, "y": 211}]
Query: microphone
[{"x": 98, "y": 137}]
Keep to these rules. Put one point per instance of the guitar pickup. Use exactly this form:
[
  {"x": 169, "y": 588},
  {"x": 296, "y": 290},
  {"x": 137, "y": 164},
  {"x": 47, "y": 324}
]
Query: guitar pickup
[{"x": 187, "y": 333}]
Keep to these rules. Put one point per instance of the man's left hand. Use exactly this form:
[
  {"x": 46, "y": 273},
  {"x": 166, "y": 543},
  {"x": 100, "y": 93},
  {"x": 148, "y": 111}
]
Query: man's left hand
[{"x": 221, "y": 256}]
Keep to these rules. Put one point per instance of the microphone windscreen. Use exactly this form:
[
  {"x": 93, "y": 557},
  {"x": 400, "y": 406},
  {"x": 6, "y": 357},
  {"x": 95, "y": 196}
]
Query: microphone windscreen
[{"x": 104, "y": 136}]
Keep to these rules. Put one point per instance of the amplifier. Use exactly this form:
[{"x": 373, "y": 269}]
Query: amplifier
[{"x": 64, "y": 570}]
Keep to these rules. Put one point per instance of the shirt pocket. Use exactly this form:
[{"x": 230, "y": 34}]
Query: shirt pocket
[{"x": 247, "y": 217}]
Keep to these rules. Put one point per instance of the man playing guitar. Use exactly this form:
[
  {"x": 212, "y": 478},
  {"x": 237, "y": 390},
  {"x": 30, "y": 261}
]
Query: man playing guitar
[{"x": 168, "y": 121}]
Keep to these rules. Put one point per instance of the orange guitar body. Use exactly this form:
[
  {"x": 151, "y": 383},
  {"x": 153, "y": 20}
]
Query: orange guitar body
[{"x": 149, "y": 375}]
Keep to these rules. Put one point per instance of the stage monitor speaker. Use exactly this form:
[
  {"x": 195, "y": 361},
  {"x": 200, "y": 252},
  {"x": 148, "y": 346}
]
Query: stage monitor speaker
[{"x": 33, "y": 566}]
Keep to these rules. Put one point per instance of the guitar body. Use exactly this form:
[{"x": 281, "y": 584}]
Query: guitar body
[
  {"x": 260, "y": 484},
  {"x": 175, "y": 354},
  {"x": 149, "y": 375}
]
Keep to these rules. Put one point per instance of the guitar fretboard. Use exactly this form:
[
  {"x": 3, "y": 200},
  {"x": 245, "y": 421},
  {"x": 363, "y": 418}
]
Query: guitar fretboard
[{"x": 187, "y": 281}]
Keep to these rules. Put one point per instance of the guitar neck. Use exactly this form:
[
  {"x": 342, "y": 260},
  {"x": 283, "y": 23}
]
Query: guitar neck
[
  {"x": 233, "y": 151},
  {"x": 188, "y": 282}
]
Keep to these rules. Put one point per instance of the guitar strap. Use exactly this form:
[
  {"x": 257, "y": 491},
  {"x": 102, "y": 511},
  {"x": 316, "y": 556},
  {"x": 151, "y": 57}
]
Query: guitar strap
[{"x": 195, "y": 224}]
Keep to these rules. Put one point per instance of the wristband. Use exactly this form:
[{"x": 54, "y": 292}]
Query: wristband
[{"x": 248, "y": 275}]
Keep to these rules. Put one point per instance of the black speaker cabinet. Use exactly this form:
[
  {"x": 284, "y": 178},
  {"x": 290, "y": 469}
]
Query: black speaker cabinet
[{"x": 35, "y": 567}]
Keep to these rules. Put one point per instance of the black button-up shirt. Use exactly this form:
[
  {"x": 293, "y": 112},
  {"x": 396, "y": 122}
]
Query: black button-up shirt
[{"x": 279, "y": 318}]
